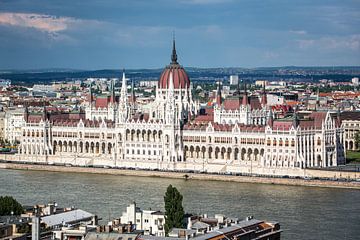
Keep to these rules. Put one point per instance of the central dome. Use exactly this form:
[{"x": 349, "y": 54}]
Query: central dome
[{"x": 180, "y": 77}]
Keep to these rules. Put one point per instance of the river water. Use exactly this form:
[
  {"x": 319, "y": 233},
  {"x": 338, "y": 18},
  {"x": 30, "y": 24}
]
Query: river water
[{"x": 303, "y": 212}]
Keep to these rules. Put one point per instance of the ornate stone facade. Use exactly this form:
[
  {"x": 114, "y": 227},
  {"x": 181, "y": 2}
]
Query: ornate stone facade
[{"x": 172, "y": 135}]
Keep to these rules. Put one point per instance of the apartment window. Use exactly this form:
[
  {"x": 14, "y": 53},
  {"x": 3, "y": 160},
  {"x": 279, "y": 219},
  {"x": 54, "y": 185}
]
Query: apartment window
[
  {"x": 138, "y": 220},
  {"x": 146, "y": 220},
  {"x": 156, "y": 222}
]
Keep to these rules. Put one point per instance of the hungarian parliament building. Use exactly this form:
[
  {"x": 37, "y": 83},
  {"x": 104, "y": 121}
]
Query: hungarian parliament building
[{"x": 239, "y": 134}]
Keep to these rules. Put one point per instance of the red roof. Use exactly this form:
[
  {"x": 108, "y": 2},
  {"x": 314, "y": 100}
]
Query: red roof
[
  {"x": 223, "y": 127},
  {"x": 180, "y": 77},
  {"x": 318, "y": 117},
  {"x": 234, "y": 103},
  {"x": 286, "y": 125},
  {"x": 101, "y": 102}
]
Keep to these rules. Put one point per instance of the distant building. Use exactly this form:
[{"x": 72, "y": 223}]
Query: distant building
[
  {"x": 151, "y": 222},
  {"x": 13, "y": 123},
  {"x": 5, "y": 83},
  {"x": 2, "y": 126},
  {"x": 234, "y": 79},
  {"x": 148, "y": 83},
  {"x": 9, "y": 232},
  {"x": 247, "y": 229},
  {"x": 43, "y": 88},
  {"x": 355, "y": 81},
  {"x": 69, "y": 217},
  {"x": 261, "y": 83}
]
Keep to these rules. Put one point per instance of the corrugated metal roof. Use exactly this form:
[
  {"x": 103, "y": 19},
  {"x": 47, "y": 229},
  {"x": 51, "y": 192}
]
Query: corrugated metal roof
[{"x": 66, "y": 217}]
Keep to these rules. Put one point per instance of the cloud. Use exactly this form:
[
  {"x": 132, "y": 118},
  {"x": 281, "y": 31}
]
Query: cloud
[
  {"x": 299, "y": 32},
  {"x": 53, "y": 26},
  {"x": 46, "y": 23},
  {"x": 349, "y": 42}
]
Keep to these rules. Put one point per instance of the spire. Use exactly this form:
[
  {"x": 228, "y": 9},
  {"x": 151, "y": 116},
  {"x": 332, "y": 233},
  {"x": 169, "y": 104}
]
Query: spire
[
  {"x": 174, "y": 55},
  {"x": 112, "y": 91},
  {"x": 133, "y": 98},
  {"x": 338, "y": 116},
  {"x": 218, "y": 95},
  {"x": 270, "y": 121},
  {"x": 90, "y": 92},
  {"x": 295, "y": 118},
  {"x": 245, "y": 101},
  {"x": 26, "y": 114},
  {"x": 264, "y": 98},
  {"x": 44, "y": 112},
  {"x": 123, "y": 101},
  {"x": 123, "y": 91}
]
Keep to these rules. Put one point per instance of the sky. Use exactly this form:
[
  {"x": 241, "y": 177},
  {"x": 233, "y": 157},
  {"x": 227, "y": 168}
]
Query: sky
[{"x": 116, "y": 34}]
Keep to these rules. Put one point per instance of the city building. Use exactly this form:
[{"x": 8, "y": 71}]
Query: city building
[
  {"x": 2, "y": 126},
  {"x": 239, "y": 135},
  {"x": 355, "y": 81},
  {"x": 4, "y": 83},
  {"x": 350, "y": 122},
  {"x": 149, "y": 221},
  {"x": 234, "y": 80},
  {"x": 149, "y": 84},
  {"x": 13, "y": 124}
]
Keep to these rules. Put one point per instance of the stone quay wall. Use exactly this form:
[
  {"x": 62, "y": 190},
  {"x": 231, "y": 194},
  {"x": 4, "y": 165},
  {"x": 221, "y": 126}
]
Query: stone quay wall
[{"x": 311, "y": 173}]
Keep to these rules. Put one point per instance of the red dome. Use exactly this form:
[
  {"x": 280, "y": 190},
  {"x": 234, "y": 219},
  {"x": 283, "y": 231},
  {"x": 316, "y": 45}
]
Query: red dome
[{"x": 180, "y": 77}]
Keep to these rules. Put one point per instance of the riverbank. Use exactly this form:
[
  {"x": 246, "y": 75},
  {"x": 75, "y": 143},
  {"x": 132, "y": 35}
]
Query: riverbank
[{"x": 178, "y": 175}]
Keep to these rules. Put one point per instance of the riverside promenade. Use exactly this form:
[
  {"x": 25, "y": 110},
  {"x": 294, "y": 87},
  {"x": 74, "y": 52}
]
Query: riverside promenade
[{"x": 339, "y": 183}]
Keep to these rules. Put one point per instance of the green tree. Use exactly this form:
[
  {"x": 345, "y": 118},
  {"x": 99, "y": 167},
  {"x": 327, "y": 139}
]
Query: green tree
[
  {"x": 174, "y": 212},
  {"x": 9, "y": 205}
]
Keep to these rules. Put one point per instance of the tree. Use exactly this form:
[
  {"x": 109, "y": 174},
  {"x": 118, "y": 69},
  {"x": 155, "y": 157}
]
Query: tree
[
  {"x": 174, "y": 212},
  {"x": 9, "y": 205}
]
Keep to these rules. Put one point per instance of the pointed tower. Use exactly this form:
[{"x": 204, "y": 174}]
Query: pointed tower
[
  {"x": 91, "y": 95},
  {"x": 44, "y": 116},
  {"x": 245, "y": 100},
  {"x": 295, "y": 118},
  {"x": 26, "y": 113},
  {"x": 264, "y": 97},
  {"x": 112, "y": 97},
  {"x": 123, "y": 101},
  {"x": 270, "y": 121},
  {"x": 133, "y": 97},
  {"x": 218, "y": 95},
  {"x": 173, "y": 54}
]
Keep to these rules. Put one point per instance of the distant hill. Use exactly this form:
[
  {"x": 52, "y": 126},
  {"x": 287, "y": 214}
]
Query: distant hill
[{"x": 45, "y": 76}]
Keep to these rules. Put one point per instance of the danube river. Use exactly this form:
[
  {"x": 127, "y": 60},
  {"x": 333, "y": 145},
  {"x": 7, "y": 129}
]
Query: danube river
[{"x": 303, "y": 212}]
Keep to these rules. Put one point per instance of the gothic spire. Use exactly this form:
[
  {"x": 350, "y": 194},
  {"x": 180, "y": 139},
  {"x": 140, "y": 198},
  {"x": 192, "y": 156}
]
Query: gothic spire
[
  {"x": 295, "y": 117},
  {"x": 90, "y": 92},
  {"x": 112, "y": 90},
  {"x": 123, "y": 91},
  {"x": 174, "y": 55},
  {"x": 218, "y": 94},
  {"x": 245, "y": 96},
  {"x": 264, "y": 97}
]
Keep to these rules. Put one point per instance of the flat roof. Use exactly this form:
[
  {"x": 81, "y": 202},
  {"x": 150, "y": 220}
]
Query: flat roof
[{"x": 66, "y": 217}]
